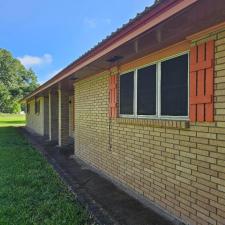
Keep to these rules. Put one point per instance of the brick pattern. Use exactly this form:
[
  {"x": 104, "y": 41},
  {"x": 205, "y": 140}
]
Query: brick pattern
[
  {"x": 64, "y": 129},
  {"x": 54, "y": 116},
  {"x": 156, "y": 123},
  {"x": 46, "y": 116},
  {"x": 35, "y": 121},
  {"x": 71, "y": 117},
  {"x": 180, "y": 168}
]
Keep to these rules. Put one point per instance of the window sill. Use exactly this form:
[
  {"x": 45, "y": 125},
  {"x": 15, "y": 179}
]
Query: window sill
[{"x": 170, "y": 123}]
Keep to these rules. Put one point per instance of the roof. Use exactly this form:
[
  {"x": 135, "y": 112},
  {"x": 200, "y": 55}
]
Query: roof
[
  {"x": 116, "y": 32},
  {"x": 124, "y": 26},
  {"x": 156, "y": 9}
]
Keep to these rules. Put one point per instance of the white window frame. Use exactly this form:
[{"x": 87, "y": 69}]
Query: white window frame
[{"x": 158, "y": 92}]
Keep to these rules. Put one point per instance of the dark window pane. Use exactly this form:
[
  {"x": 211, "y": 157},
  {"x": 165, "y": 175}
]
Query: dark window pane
[
  {"x": 37, "y": 106},
  {"x": 126, "y": 93},
  {"x": 174, "y": 86},
  {"x": 28, "y": 108},
  {"x": 146, "y": 91}
]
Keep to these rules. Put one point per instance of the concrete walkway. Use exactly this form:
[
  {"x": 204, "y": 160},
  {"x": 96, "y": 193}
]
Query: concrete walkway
[{"x": 105, "y": 202}]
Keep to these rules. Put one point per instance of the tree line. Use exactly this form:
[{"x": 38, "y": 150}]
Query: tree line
[{"x": 15, "y": 82}]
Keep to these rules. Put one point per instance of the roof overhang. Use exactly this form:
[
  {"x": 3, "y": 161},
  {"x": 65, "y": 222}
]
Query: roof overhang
[{"x": 170, "y": 22}]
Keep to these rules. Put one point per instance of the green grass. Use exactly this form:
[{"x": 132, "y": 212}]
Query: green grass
[
  {"x": 31, "y": 193},
  {"x": 12, "y": 120}
]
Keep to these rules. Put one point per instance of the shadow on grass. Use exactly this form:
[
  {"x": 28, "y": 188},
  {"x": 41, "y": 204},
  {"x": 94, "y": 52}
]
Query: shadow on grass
[{"x": 12, "y": 122}]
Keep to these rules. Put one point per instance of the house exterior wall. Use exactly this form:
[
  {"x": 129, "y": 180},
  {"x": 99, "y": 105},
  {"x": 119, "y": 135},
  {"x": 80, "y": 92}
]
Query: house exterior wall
[
  {"x": 35, "y": 121},
  {"x": 63, "y": 118},
  {"x": 71, "y": 116},
  {"x": 54, "y": 111},
  {"x": 46, "y": 116},
  {"x": 178, "y": 165}
]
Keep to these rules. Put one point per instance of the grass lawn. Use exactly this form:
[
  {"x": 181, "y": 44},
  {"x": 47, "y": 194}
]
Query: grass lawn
[
  {"x": 31, "y": 193},
  {"x": 12, "y": 120}
]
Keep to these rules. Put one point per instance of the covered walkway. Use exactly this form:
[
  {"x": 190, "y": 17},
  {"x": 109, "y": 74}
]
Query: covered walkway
[{"x": 106, "y": 202}]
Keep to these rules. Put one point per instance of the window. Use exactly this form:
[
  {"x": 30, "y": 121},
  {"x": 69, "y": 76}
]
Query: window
[
  {"x": 174, "y": 86},
  {"x": 37, "y": 106},
  {"x": 146, "y": 91},
  {"x": 158, "y": 90},
  {"x": 28, "y": 108},
  {"x": 126, "y": 93}
]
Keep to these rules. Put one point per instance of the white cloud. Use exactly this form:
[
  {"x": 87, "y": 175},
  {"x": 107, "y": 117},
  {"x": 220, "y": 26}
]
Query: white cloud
[
  {"x": 91, "y": 23},
  {"x": 28, "y": 60}
]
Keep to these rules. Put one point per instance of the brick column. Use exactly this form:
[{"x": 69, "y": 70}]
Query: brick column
[
  {"x": 63, "y": 121},
  {"x": 46, "y": 116},
  {"x": 53, "y": 116},
  {"x": 49, "y": 116}
]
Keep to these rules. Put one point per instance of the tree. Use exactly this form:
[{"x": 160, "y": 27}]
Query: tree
[{"x": 15, "y": 82}]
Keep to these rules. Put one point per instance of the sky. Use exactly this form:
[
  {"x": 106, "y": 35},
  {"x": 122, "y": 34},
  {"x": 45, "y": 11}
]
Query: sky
[{"x": 47, "y": 35}]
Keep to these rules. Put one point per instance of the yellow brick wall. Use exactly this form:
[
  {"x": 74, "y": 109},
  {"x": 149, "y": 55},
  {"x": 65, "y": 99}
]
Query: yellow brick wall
[
  {"x": 35, "y": 122},
  {"x": 71, "y": 116},
  {"x": 180, "y": 168}
]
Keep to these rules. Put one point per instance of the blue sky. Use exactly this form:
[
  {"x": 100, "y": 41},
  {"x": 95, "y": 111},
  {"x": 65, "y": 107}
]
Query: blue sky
[{"x": 47, "y": 35}]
